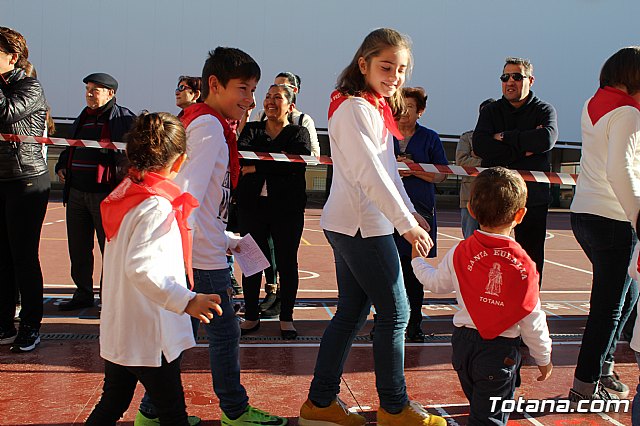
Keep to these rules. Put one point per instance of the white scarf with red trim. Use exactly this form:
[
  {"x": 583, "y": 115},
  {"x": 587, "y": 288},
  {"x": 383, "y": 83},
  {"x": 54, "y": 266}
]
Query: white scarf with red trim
[{"x": 498, "y": 282}]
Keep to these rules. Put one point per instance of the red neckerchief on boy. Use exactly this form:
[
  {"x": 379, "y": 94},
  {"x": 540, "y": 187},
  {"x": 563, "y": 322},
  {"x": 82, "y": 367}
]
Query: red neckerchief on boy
[
  {"x": 129, "y": 194},
  {"x": 196, "y": 110},
  {"x": 337, "y": 98},
  {"x": 606, "y": 100},
  {"x": 498, "y": 282}
]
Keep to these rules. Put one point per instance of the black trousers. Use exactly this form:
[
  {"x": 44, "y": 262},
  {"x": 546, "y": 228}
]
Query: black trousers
[
  {"x": 285, "y": 228},
  {"x": 83, "y": 222},
  {"x": 532, "y": 233},
  {"x": 162, "y": 383},
  {"x": 23, "y": 205},
  {"x": 415, "y": 291}
]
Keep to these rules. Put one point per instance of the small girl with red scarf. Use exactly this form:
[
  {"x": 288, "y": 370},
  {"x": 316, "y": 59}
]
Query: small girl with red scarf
[
  {"x": 496, "y": 285},
  {"x": 144, "y": 326},
  {"x": 367, "y": 201}
]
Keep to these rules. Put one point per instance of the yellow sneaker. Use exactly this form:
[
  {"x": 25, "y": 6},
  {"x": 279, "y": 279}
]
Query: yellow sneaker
[
  {"x": 335, "y": 414},
  {"x": 413, "y": 414}
]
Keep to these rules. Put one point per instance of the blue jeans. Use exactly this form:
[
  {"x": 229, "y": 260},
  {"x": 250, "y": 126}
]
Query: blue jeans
[
  {"x": 635, "y": 405},
  {"x": 367, "y": 270},
  {"x": 224, "y": 345},
  {"x": 486, "y": 368},
  {"x": 608, "y": 245},
  {"x": 469, "y": 224}
]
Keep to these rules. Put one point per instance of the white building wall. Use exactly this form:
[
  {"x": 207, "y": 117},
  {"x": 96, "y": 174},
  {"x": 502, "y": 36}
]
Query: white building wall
[{"x": 459, "y": 47}]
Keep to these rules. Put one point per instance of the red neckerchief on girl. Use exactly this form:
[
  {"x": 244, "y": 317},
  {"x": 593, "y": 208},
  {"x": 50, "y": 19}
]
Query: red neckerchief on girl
[
  {"x": 379, "y": 102},
  {"x": 498, "y": 282},
  {"x": 129, "y": 194},
  {"x": 196, "y": 110},
  {"x": 606, "y": 100}
]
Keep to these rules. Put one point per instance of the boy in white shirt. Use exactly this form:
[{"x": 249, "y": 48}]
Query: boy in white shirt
[
  {"x": 496, "y": 285},
  {"x": 212, "y": 169}
]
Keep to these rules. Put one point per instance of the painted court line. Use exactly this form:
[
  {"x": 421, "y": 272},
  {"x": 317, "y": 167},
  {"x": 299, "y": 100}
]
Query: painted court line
[
  {"x": 569, "y": 267},
  {"x": 532, "y": 420},
  {"x": 610, "y": 419}
]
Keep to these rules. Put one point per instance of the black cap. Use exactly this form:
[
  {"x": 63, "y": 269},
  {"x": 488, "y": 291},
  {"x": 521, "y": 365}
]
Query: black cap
[{"x": 103, "y": 79}]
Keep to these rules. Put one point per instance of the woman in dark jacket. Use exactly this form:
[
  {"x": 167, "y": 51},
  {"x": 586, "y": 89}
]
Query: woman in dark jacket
[
  {"x": 271, "y": 199},
  {"x": 24, "y": 192}
]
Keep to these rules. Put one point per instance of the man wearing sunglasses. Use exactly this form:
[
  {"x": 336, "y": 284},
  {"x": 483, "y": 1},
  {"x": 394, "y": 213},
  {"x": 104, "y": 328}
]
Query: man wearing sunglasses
[{"x": 518, "y": 131}]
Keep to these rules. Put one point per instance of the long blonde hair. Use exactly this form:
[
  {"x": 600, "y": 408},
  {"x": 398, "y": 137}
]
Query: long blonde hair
[{"x": 351, "y": 80}]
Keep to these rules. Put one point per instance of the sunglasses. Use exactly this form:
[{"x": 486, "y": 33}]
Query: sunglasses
[
  {"x": 515, "y": 75},
  {"x": 182, "y": 88}
]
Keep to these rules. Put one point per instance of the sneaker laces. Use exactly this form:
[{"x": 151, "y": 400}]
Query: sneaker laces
[
  {"x": 603, "y": 393},
  {"x": 262, "y": 415}
]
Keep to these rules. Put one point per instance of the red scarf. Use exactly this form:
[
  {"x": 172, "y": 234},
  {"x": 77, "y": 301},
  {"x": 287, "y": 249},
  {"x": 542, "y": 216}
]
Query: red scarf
[
  {"x": 606, "y": 100},
  {"x": 129, "y": 194},
  {"x": 379, "y": 102},
  {"x": 498, "y": 282},
  {"x": 196, "y": 110}
]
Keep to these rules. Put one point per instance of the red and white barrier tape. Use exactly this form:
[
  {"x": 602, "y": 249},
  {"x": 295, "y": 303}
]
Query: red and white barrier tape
[{"x": 529, "y": 176}]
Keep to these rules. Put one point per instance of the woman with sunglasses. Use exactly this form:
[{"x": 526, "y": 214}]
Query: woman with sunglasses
[
  {"x": 187, "y": 92},
  {"x": 271, "y": 200}
]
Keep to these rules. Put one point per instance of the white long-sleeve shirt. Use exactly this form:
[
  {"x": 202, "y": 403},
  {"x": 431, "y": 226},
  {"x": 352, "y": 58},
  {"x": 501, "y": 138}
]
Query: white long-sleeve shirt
[
  {"x": 443, "y": 279},
  {"x": 144, "y": 290},
  {"x": 367, "y": 193},
  {"x": 609, "y": 182},
  {"x": 205, "y": 175}
]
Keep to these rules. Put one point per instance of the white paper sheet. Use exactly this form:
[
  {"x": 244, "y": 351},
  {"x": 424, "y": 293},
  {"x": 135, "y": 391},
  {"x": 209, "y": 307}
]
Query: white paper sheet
[{"x": 249, "y": 256}]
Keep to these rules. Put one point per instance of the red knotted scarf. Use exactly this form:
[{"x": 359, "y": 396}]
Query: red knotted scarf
[
  {"x": 379, "y": 102},
  {"x": 498, "y": 282},
  {"x": 606, "y": 100},
  {"x": 129, "y": 194},
  {"x": 196, "y": 110}
]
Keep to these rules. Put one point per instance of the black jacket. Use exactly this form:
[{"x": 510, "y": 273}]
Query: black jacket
[
  {"x": 286, "y": 184},
  {"x": 23, "y": 111},
  {"x": 120, "y": 121},
  {"x": 530, "y": 132}
]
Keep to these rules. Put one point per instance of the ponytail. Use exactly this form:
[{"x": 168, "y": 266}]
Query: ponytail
[{"x": 154, "y": 142}]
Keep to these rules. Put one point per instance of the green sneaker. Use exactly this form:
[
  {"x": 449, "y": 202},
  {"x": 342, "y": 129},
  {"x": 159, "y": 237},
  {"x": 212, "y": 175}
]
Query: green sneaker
[
  {"x": 253, "y": 416},
  {"x": 142, "y": 420}
]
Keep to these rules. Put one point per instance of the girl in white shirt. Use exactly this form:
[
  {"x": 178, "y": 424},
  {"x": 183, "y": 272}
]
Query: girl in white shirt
[
  {"x": 367, "y": 201},
  {"x": 143, "y": 327}
]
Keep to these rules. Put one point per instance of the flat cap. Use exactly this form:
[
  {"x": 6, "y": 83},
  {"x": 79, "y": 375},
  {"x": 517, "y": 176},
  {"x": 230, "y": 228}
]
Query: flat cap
[{"x": 103, "y": 79}]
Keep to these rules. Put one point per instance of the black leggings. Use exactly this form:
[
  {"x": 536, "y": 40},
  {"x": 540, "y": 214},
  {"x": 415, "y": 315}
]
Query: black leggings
[
  {"x": 285, "y": 228},
  {"x": 23, "y": 205},
  {"x": 162, "y": 383}
]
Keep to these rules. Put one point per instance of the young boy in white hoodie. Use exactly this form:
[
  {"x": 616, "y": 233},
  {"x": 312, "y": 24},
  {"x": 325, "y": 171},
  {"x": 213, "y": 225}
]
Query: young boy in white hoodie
[{"x": 496, "y": 285}]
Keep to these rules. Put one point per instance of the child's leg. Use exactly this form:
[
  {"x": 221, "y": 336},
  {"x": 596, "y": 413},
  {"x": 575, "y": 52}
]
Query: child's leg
[
  {"x": 372, "y": 268},
  {"x": 164, "y": 387},
  {"x": 493, "y": 370},
  {"x": 461, "y": 358},
  {"x": 117, "y": 392},
  {"x": 353, "y": 308},
  {"x": 224, "y": 342}
]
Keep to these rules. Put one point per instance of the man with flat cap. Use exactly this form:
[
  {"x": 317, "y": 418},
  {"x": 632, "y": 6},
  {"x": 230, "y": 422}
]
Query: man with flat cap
[{"x": 89, "y": 175}]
